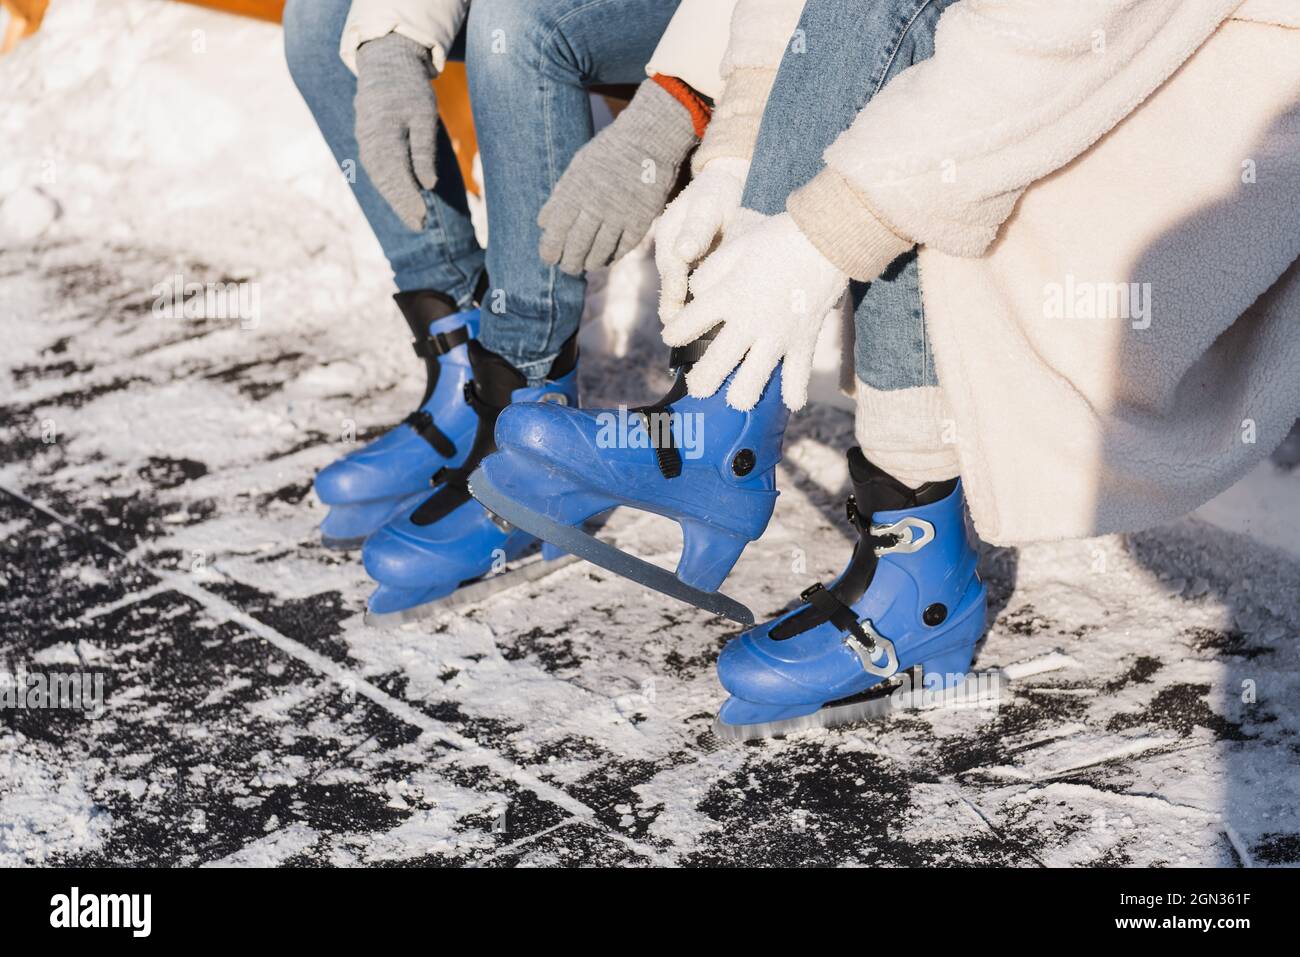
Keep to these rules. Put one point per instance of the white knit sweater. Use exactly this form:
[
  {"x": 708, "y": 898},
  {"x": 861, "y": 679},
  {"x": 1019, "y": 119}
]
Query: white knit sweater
[{"x": 431, "y": 23}]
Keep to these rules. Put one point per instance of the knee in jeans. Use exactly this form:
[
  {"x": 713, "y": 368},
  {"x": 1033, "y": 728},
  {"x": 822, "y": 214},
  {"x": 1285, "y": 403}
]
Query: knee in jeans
[{"x": 517, "y": 32}]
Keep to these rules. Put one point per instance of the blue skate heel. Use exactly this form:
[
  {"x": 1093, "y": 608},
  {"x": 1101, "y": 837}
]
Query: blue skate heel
[
  {"x": 431, "y": 549},
  {"x": 909, "y": 596},
  {"x": 699, "y": 462},
  {"x": 366, "y": 488}
]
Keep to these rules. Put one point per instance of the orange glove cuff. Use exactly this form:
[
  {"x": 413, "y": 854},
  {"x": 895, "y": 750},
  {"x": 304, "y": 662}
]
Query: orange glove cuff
[{"x": 701, "y": 110}]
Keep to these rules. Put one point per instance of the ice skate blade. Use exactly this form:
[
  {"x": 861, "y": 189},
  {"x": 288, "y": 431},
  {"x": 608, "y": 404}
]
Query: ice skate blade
[
  {"x": 479, "y": 590},
  {"x": 880, "y": 701},
  {"x": 342, "y": 544},
  {"x": 981, "y": 689},
  {"x": 577, "y": 542}
]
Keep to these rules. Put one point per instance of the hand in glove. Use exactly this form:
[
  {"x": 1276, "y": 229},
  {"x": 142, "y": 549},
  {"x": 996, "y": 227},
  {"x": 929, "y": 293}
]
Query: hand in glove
[
  {"x": 770, "y": 290},
  {"x": 617, "y": 184},
  {"x": 397, "y": 123},
  {"x": 692, "y": 223}
]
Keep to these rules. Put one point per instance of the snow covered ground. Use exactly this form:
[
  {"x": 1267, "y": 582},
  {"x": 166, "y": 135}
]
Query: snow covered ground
[{"x": 156, "y": 524}]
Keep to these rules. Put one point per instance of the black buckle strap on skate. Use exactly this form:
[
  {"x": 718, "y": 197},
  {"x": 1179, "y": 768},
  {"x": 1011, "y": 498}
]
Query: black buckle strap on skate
[
  {"x": 423, "y": 424},
  {"x": 851, "y": 513},
  {"x": 681, "y": 356},
  {"x": 429, "y": 348},
  {"x": 855, "y": 519},
  {"x": 874, "y": 491},
  {"x": 421, "y": 308},
  {"x": 440, "y": 343},
  {"x": 487, "y": 394},
  {"x": 829, "y": 604},
  {"x": 452, "y": 484},
  {"x": 658, "y": 423},
  {"x": 452, "y": 492},
  {"x": 837, "y": 613},
  {"x": 665, "y": 444}
]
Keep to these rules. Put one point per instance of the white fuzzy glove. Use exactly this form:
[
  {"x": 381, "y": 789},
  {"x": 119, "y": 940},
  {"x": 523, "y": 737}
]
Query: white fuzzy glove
[
  {"x": 690, "y": 225},
  {"x": 770, "y": 290}
]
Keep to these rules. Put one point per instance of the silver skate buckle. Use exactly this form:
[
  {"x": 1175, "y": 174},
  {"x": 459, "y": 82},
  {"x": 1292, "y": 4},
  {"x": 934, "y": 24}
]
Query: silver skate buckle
[
  {"x": 883, "y": 648},
  {"x": 500, "y": 522},
  {"x": 912, "y": 535}
]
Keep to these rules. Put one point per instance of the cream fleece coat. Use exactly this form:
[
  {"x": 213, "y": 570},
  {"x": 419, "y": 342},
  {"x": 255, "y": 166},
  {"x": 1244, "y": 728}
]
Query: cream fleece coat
[
  {"x": 431, "y": 23},
  {"x": 1108, "y": 198},
  {"x": 693, "y": 46}
]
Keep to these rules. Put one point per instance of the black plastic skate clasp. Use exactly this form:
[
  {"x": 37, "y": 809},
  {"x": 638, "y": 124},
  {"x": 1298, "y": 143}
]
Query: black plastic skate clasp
[
  {"x": 440, "y": 343},
  {"x": 851, "y": 512},
  {"x": 423, "y": 424},
  {"x": 840, "y": 614},
  {"x": 658, "y": 423},
  {"x": 683, "y": 356},
  {"x": 862, "y": 638}
]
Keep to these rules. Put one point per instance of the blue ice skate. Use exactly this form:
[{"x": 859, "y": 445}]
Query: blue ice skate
[
  {"x": 429, "y": 550},
  {"x": 699, "y": 462},
  {"x": 366, "y": 488},
  {"x": 909, "y": 596}
]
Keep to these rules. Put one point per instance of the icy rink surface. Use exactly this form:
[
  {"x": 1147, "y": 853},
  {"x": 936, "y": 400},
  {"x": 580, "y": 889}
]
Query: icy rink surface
[{"x": 253, "y": 718}]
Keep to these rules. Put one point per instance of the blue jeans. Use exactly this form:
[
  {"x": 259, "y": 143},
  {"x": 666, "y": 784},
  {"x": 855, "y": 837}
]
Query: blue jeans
[
  {"x": 857, "y": 47},
  {"x": 530, "y": 65},
  {"x": 445, "y": 255}
]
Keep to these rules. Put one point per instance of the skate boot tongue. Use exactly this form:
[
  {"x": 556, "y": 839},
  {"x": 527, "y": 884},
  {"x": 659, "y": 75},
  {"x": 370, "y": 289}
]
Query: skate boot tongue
[
  {"x": 420, "y": 307},
  {"x": 874, "y": 490},
  {"x": 495, "y": 379}
]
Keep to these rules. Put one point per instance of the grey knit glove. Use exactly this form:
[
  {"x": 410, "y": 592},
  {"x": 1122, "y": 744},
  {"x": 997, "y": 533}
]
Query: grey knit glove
[
  {"x": 397, "y": 122},
  {"x": 617, "y": 184}
]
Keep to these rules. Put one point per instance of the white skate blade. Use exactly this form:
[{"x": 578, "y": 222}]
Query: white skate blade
[
  {"x": 869, "y": 708},
  {"x": 479, "y": 590},
  {"x": 577, "y": 542},
  {"x": 981, "y": 689}
]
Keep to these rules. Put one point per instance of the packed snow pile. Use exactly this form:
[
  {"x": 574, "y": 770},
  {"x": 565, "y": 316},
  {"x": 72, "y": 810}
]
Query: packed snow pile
[
  {"x": 157, "y": 523},
  {"x": 142, "y": 118}
]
